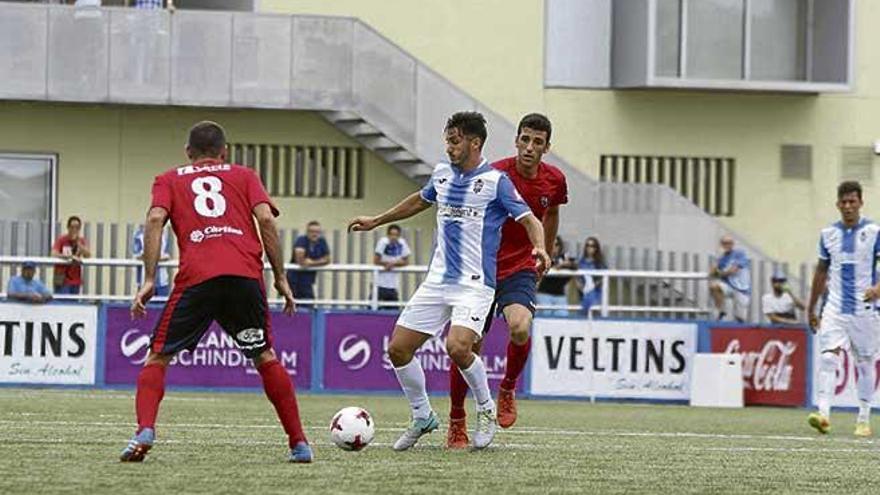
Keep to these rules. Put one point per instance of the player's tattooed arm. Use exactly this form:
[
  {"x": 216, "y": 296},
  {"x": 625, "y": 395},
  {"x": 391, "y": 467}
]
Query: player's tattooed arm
[
  {"x": 411, "y": 205},
  {"x": 156, "y": 218},
  {"x": 820, "y": 277},
  {"x": 272, "y": 246}
]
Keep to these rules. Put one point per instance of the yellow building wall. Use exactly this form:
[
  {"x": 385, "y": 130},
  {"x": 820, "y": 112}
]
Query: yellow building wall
[
  {"x": 108, "y": 156},
  {"x": 493, "y": 49}
]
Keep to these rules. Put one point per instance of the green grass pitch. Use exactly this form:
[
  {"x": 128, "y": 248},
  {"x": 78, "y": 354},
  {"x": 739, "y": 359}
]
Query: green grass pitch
[{"x": 68, "y": 441}]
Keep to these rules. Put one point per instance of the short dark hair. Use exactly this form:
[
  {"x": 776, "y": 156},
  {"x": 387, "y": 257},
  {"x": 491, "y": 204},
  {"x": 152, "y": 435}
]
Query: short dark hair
[
  {"x": 847, "y": 187},
  {"x": 536, "y": 121},
  {"x": 207, "y": 139},
  {"x": 471, "y": 124},
  {"x": 313, "y": 223},
  {"x": 393, "y": 226},
  {"x": 72, "y": 218}
]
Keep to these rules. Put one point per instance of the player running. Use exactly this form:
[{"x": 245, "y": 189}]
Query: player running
[
  {"x": 473, "y": 201},
  {"x": 212, "y": 205},
  {"x": 543, "y": 188},
  {"x": 848, "y": 252}
]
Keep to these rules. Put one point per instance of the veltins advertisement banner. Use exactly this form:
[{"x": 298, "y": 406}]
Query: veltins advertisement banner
[
  {"x": 48, "y": 343},
  {"x": 614, "y": 359}
]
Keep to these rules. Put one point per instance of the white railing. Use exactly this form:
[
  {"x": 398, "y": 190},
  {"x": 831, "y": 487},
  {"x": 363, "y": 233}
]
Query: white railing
[{"x": 605, "y": 308}]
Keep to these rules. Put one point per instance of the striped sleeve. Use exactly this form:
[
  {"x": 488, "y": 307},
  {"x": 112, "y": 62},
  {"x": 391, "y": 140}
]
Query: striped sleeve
[{"x": 823, "y": 251}]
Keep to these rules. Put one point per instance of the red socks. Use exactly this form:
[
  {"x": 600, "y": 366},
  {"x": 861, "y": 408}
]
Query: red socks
[
  {"x": 150, "y": 390},
  {"x": 458, "y": 389},
  {"x": 517, "y": 355},
  {"x": 279, "y": 390}
]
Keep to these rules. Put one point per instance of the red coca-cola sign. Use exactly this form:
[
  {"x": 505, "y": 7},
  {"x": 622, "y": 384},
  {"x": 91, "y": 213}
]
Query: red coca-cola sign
[{"x": 774, "y": 362}]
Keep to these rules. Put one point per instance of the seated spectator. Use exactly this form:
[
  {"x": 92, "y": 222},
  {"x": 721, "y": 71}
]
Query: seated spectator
[
  {"x": 591, "y": 287},
  {"x": 391, "y": 252},
  {"x": 731, "y": 280},
  {"x": 551, "y": 290},
  {"x": 163, "y": 279},
  {"x": 309, "y": 251},
  {"x": 26, "y": 288},
  {"x": 779, "y": 306},
  {"x": 74, "y": 247}
]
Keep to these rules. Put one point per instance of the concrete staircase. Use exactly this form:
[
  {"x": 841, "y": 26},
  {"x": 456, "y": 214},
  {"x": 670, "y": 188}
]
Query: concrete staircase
[{"x": 372, "y": 138}]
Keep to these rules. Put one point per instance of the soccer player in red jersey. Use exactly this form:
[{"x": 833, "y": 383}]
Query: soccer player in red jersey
[
  {"x": 212, "y": 206},
  {"x": 543, "y": 188}
]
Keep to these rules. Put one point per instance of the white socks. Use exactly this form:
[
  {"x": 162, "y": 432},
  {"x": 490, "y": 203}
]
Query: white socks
[
  {"x": 476, "y": 378},
  {"x": 865, "y": 386},
  {"x": 412, "y": 381},
  {"x": 827, "y": 379}
]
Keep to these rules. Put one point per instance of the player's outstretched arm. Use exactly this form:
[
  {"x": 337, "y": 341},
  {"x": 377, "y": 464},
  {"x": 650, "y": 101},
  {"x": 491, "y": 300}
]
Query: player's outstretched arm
[
  {"x": 536, "y": 236},
  {"x": 411, "y": 205},
  {"x": 156, "y": 218},
  {"x": 820, "y": 277},
  {"x": 272, "y": 246}
]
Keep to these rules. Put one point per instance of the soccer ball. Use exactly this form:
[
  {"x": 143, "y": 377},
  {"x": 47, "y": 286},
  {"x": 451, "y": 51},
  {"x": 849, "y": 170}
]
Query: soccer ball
[{"x": 352, "y": 428}]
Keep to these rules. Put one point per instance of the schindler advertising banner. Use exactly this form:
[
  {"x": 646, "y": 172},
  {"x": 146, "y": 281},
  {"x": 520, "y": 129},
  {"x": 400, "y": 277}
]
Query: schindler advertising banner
[
  {"x": 48, "y": 343},
  {"x": 615, "y": 359}
]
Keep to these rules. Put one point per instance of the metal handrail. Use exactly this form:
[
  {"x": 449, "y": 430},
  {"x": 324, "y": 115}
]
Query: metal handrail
[{"x": 373, "y": 303}]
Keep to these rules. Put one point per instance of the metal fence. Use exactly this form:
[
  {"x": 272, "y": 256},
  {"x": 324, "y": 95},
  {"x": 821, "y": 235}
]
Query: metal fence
[
  {"x": 659, "y": 294},
  {"x": 649, "y": 283}
]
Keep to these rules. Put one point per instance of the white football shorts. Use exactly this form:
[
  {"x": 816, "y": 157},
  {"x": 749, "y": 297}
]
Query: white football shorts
[
  {"x": 858, "y": 333},
  {"x": 433, "y": 305}
]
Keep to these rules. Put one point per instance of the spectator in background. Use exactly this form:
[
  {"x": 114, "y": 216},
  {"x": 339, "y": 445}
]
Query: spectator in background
[
  {"x": 392, "y": 251},
  {"x": 732, "y": 280},
  {"x": 148, "y": 4},
  {"x": 551, "y": 289},
  {"x": 163, "y": 278},
  {"x": 26, "y": 288},
  {"x": 309, "y": 251},
  {"x": 591, "y": 287},
  {"x": 71, "y": 246},
  {"x": 779, "y": 305}
]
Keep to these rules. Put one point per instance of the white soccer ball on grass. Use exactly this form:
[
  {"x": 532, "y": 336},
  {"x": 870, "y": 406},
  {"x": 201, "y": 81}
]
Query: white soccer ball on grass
[{"x": 352, "y": 428}]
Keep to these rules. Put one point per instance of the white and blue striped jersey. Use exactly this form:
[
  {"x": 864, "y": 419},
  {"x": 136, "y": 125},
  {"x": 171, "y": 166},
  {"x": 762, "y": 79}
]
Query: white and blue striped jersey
[
  {"x": 851, "y": 253},
  {"x": 471, "y": 208}
]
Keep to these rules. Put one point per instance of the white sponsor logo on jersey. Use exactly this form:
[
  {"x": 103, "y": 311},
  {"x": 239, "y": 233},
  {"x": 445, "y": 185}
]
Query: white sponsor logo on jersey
[
  {"x": 250, "y": 335},
  {"x": 192, "y": 169}
]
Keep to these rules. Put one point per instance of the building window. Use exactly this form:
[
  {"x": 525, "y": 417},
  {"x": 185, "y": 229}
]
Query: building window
[
  {"x": 668, "y": 35},
  {"x": 28, "y": 187},
  {"x": 715, "y": 39},
  {"x": 778, "y": 40},
  {"x": 301, "y": 171},
  {"x": 707, "y": 182}
]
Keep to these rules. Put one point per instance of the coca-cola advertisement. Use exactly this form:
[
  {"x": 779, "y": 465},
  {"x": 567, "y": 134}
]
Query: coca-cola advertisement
[{"x": 774, "y": 362}]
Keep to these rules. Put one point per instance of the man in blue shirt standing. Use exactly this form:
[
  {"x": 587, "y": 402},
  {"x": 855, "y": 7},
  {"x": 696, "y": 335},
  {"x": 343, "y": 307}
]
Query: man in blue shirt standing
[
  {"x": 309, "y": 251},
  {"x": 26, "y": 288},
  {"x": 731, "y": 280}
]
